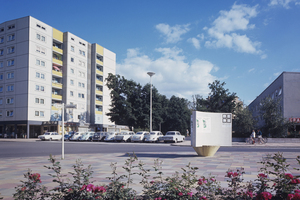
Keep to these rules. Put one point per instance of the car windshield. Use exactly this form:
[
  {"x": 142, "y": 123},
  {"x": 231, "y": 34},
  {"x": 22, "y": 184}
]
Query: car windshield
[
  {"x": 76, "y": 133},
  {"x": 139, "y": 133},
  {"x": 47, "y": 133},
  {"x": 170, "y": 133},
  {"x": 152, "y": 133},
  {"x": 146, "y": 133}
]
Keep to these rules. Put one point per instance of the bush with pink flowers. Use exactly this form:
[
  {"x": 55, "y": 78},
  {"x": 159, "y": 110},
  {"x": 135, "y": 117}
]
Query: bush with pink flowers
[{"x": 274, "y": 181}]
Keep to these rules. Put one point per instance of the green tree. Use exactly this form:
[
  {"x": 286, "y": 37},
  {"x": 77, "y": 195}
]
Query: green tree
[
  {"x": 243, "y": 121},
  {"x": 275, "y": 124}
]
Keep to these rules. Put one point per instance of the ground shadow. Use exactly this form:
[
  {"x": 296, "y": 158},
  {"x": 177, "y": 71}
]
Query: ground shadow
[{"x": 161, "y": 155}]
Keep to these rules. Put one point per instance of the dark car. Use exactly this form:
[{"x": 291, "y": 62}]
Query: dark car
[
  {"x": 69, "y": 135},
  {"x": 99, "y": 136}
]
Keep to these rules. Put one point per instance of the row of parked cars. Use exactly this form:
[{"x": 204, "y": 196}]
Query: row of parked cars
[{"x": 125, "y": 136}]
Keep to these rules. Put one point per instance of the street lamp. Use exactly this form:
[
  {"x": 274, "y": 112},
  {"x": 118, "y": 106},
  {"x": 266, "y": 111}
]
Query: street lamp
[{"x": 150, "y": 74}]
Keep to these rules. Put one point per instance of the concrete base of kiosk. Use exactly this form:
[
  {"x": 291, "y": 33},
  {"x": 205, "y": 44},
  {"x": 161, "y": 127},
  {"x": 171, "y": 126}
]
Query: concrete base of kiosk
[{"x": 206, "y": 150}]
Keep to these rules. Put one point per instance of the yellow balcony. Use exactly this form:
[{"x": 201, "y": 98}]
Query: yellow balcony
[
  {"x": 58, "y": 35},
  {"x": 59, "y": 62},
  {"x": 99, "y": 82},
  {"x": 56, "y": 73},
  {"x": 98, "y": 112},
  {"x": 99, "y": 72},
  {"x": 99, "y": 62},
  {"x": 56, "y": 97},
  {"x": 99, "y": 49},
  {"x": 99, "y": 102},
  {"x": 54, "y": 108},
  {"x": 99, "y": 92},
  {"x": 57, "y": 85},
  {"x": 58, "y": 50}
]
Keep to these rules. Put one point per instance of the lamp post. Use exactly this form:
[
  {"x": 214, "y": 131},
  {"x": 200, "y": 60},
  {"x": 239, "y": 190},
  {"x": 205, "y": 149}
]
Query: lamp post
[{"x": 150, "y": 74}]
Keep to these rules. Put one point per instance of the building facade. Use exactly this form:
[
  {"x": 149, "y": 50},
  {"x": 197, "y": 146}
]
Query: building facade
[
  {"x": 40, "y": 69},
  {"x": 286, "y": 87}
]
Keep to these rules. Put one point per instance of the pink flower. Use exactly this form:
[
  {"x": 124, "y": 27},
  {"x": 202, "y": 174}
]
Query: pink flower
[
  {"x": 190, "y": 194},
  {"x": 264, "y": 196},
  {"x": 212, "y": 179},
  {"x": 290, "y": 197},
  {"x": 297, "y": 191},
  {"x": 23, "y": 188},
  {"x": 180, "y": 194},
  {"x": 290, "y": 176},
  {"x": 250, "y": 194},
  {"x": 100, "y": 189},
  {"x": 70, "y": 190},
  {"x": 262, "y": 176},
  {"x": 296, "y": 196},
  {"x": 35, "y": 177},
  {"x": 152, "y": 182},
  {"x": 235, "y": 174},
  {"x": 229, "y": 174},
  {"x": 203, "y": 197},
  {"x": 83, "y": 187}
]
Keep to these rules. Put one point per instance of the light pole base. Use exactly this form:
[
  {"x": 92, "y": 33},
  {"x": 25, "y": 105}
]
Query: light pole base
[{"x": 206, "y": 151}]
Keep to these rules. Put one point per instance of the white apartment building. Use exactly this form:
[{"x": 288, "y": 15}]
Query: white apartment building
[{"x": 40, "y": 69}]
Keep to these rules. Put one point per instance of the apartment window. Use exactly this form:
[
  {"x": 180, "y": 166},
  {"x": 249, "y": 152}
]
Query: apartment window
[
  {"x": 1, "y": 88},
  {"x": 11, "y": 37},
  {"x": 1, "y": 101},
  {"x": 83, "y": 85},
  {"x": 42, "y": 101},
  {"x": 72, "y": 48},
  {"x": 72, "y": 82},
  {"x": 41, "y": 27},
  {"x": 11, "y": 27},
  {"x": 10, "y": 50},
  {"x": 0, "y": 113},
  {"x": 72, "y": 39},
  {"x": 37, "y": 113},
  {"x": 9, "y": 100},
  {"x": 79, "y": 84},
  {"x": 10, "y": 75},
  {"x": 80, "y": 95},
  {"x": 82, "y": 43},
  {"x": 42, "y": 76},
  {"x": 37, "y": 100},
  {"x": 43, "y": 38},
  {"x": 72, "y": 70},
  {"x": 39, "y": 88},
  {"x": 10, "y": 88},
  {"x": 71, "y": 93},
  {"x": 1, "y": 29},
  {"x": 1, "y": 52},
  {"x": 1, "y": 40},
  {"x": 42, "y": 88},
  {"x": 37, "y": 75},
  {"x": 40, "y": 50},
  {"x": 81, "y": 52},
  {"x": 1, "y": 64},
  {"x": 1, "y": 77},
  {"x": 10, "y": 62},
  {"x": 40, "y": 37},
  {"x": 72, "y": 59},
  {"x": 40, "y": 62},
  {"x": 9, "y": 113}
]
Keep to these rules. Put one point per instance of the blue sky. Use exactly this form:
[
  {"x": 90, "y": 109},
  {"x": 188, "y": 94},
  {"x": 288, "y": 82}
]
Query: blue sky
[{"x": 188, "y": 44}]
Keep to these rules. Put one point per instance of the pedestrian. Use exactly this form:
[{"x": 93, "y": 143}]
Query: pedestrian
[
  {"x": 252, "y": 136},
  {"x": 187, "y": 132}
]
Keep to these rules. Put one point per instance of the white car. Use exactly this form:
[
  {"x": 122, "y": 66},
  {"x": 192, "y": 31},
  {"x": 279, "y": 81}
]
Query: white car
[
  {"x": 124, "y": 136},
  {"x": 87, "y": 136},
  {"x": 154, "y": 136},
  {"x": 139, "y": 136},
  {"x": 50, "y": 136},
  {"x": 76, "y": 136},
  {"x": 110, "y": 136},
  {"x": 173, "y": 136}
]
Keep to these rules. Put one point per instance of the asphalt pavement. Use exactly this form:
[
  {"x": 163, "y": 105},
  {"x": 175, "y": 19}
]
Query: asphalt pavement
[{"x": 12, "y": 169}]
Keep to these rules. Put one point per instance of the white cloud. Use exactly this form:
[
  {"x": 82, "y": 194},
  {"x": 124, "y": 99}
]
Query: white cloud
[
  {"x": 223, "y": 32},
  {"x": 195, "y": 42},
  {"x": 277, "y": 74},
  {"x": 284, "y": 3},
  {"x": 173, "y": 75},
  {"x": 172, "y": 34},
  {"x": 251, "y": 70}
]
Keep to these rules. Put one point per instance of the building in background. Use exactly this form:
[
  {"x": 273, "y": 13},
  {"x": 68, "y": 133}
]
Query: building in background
[
  {"x": 41, "y": 68},
  {"x": 286, "y": 87}
]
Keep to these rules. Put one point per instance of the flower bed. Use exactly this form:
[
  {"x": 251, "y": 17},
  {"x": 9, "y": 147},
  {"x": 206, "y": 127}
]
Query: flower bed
[{"x": 273, "y": 182}]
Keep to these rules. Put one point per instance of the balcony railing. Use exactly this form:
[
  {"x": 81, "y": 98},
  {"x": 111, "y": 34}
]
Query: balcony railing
[
  {"x": 57, "y": 73},
  {"x": 99, "y": 72},
  {"x": 56, "y": 97},
  {"x": 54, "y": 108},
  {"x": 99, "y": 102},
  {"x": 58, "y": 50},
  {"x": 57, "y": 85},
  {"x": 99, "y": 92},
  {"x": 99, "y": 82},
  {"x": 56, "y": 61},
  {"x": 98, "y": 112},
  {"x": 99, "y": 62}
]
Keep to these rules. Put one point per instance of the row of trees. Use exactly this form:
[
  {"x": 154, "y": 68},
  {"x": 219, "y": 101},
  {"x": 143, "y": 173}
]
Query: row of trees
[{"x": 130, "y": 106}]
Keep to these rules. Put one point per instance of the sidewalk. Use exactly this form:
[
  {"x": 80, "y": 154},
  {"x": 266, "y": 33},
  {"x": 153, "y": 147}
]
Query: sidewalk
[{"x": 12, "y": 169}]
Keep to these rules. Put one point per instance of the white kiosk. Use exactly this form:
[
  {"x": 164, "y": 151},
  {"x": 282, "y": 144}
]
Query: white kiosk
[{"x": 209, "y": 131}]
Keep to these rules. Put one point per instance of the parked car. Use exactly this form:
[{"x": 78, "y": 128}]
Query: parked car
[
  {"x": 88, "y": 136},
  {"x": 154, "y": 136},
  {"x": 69, "y": 135},
  {"x": 139, "y": 136},
  {"x": 50, "y": 136},
  {"x": 110, "y": 137},
  {"x": 76, "y": 136},
  {"x": 124, "y": 136},
  {"x": 173, "y": 136}
]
